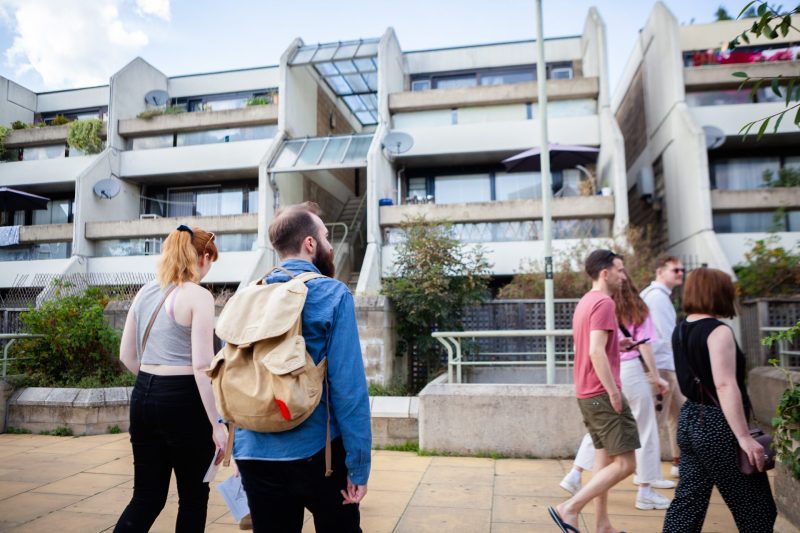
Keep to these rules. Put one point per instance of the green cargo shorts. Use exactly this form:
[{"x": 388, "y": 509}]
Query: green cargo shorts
[{"x": 615, "y": 432}]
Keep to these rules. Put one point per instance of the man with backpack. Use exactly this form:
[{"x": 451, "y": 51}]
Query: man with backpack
[{"x": 321, "y": 464}]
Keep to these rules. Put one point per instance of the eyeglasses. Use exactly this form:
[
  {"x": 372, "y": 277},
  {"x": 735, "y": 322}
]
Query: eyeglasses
[
  {"x": 679, "y": 270},
  {"x": 209, "y": 241}
]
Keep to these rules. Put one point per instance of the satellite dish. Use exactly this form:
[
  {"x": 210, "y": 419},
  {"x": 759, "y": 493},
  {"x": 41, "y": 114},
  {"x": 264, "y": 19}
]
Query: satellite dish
[
  {"x": 107, "y": 188},
  {"x": 397, "y": 142},
  {"x": 156, "y": 98},
  {"x": 715, "y": 137}
]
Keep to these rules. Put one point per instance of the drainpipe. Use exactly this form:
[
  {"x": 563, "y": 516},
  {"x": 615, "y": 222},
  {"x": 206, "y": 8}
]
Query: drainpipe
[{"x": 400, "y": 175}]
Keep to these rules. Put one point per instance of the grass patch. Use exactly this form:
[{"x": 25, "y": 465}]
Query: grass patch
[
  {"x": 60, "y": 431},
  {"x": 18, "y": 431},
  {"x": 398, "y": 389},
  {"x": 413, "y": 446},
  {"x": 114, "y": 429}
]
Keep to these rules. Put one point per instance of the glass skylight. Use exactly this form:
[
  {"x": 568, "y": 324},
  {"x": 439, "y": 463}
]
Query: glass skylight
[
  {"x": 323, "y": 152},
  {"x": 350, "y": 69}
]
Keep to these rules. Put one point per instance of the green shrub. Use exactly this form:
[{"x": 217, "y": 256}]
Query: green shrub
[
  {"x": 395, "y": 389},
  {"x": 3, "y": 134},
  {"x": 114, "y": 429},
  {"x": 59, "y": 120},
  {"x": 787, "y": 177},
  {"x": 18, "y": 431},
  {"x": 19, "y": 125},
  {"x": 434, "y": 278},
  {"x": 768, "y": 270},
  {"x": 259, "y": 100},
  {"x": 60, "y": 431},
  {"x": 78, "y": 347},
  {"x": 84, "y": 135}
]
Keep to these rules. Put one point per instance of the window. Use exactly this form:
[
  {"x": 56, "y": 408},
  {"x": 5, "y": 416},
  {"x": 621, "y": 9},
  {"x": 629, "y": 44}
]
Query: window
[
  {"x": 49, "y": 250},
  {"x": 508, "y": 77},
  {"x": 561, "y": 73},
  {"x": 756, "y": 222},
  {"x": 462, "y": 189},
  {"x": 224, "y": 135},
  {"x": 490, "y": 186},
  {"x": 455, "y": 82},
  {"x": 707, "y": 98},
  {"x": 518, "y": 230},
  {"x": 742, "y": 173},
  {"x": 200, "y": 201},
  {"x": 223, "y": 101},
  {"x": 57, "y": 212},
  {"x": 75, "y": 114},
  {"x": 149, "y": 143},
  {"x": 489, "y": 76},
  {"x": 518, "y": 186},
  {"x": 32, "y": 153},
  {"x": 420, "y": 85}
]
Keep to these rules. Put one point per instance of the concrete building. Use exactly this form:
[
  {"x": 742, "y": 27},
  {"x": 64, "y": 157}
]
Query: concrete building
[
  {"x": 195, "y": 150},
  {"x": 689, "y": 173}
]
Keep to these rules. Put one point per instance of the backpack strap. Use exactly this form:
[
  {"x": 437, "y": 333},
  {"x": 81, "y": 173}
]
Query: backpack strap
[{"x": 328, "y": 460}]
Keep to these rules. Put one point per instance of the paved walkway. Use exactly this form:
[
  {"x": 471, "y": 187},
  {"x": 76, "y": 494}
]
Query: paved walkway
[{"x": 82, "y": 484}]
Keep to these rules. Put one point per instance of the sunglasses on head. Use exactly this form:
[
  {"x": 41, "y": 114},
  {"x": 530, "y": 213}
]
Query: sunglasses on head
[{"x": 659, "y": 400}]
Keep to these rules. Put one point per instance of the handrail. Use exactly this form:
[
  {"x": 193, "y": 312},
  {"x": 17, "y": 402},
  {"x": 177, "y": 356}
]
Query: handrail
[
  {"x": 452, "y": 344},
  {"x": 12, "y": 337}
]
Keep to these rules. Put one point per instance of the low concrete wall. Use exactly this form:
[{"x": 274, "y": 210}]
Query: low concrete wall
[
  {"x": 515, "y": 420},
  {"x": 84, "y": 411},
  {"x": 394, "y": 420},
  {"x": 376, "y": 332},
  {"x": 765, "y": 385}
]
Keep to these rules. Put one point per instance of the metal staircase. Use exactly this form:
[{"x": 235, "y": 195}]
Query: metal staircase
[{"x": 347, "y": 236}]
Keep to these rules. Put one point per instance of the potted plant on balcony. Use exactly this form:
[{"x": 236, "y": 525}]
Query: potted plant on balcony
[{"x": 84, "y": 135}]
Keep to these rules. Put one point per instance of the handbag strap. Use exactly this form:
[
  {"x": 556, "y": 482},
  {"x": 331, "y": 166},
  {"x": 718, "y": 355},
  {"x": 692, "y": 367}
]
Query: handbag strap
[
  {"x": 627, "y": 333},
  {"x": 155, "y": 314}
]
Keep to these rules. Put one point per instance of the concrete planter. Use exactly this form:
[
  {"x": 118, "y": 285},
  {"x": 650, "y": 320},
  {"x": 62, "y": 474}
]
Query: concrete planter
[
  {"x": 84, "y": 411},
  {"x": 514, "y": 420},
  {"x": 787, "y": 499}
]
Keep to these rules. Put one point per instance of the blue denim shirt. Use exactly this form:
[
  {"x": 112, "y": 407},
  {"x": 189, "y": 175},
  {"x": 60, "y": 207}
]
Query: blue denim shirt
[{"x": 330, "y": 330}]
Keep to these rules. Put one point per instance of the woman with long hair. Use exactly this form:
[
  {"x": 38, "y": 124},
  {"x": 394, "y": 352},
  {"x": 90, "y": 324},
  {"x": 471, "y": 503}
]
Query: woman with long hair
[
  {"x": 639, "y": 379},
  {"x": 712, "y": 425},
  {"x": 168, "y": 343}
]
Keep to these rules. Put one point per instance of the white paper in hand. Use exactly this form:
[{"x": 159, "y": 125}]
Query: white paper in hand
[
  {"x": 211, "y": 473},
  {"x": 234, "y": 495}
]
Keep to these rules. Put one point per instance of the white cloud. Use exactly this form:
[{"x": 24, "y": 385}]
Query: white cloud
[
  {"x": 157, "y": 8},
  {"x": 69, "y": 44}
]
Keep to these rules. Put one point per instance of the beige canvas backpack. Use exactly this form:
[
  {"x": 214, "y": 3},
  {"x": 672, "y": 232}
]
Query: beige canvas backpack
[{"x": 263, "y": 378}]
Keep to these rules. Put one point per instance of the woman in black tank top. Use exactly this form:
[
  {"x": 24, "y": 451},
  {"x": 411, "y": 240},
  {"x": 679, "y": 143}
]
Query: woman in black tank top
[{"x": 712, "y": 425}]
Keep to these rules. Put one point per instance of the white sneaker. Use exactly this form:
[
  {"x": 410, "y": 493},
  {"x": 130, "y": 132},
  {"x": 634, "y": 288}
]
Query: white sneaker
[
  {"x": 653, "y": 500},
  {"x": 660, "y": 484},
  {"x": 570, "y": 485},
  {"x": 674, "y": 471}
]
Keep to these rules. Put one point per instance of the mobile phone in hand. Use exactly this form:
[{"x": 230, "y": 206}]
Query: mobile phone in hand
[{"x": 637, "y": 343}]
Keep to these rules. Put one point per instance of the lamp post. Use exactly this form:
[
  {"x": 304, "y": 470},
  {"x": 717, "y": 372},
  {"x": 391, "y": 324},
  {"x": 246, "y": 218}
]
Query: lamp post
[{"x": 547, "y": 222}]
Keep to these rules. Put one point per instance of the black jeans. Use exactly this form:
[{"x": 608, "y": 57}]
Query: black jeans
[
  {"x": 278, "y": 491},
  {"x": 169, "y": 431}
]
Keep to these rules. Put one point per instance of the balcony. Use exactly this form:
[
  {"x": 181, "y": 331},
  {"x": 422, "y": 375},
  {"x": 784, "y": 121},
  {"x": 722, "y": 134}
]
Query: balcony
[
  {"x": 40, "y": 136},
  {"x": 230, "y": 268},
  {"x": 573, "y": 207},
  {"x": 201, "y": 120},
  {"x": 152, "y": 227},
  {"x": 721, "y": 76},
  {"x": 731, "y": 117},
  {"x": 42, "y": 233},
  {"x": 45, "y": 173},
  {"x": 755, "y": 199},
  {"x": 572, "y": 89},
  {"x": 233, "y": 159}
]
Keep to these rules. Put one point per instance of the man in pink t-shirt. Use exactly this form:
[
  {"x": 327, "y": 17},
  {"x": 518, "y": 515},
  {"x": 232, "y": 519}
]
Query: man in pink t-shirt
[{"x": 598, "y": 388}]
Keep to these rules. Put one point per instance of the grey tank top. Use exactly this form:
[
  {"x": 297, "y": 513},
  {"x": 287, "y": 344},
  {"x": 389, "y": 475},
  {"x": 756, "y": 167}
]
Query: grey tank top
[{"x": 170, "y": 343}]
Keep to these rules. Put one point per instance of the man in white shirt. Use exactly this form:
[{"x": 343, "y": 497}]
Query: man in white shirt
[{"x": 657, "y": 296}]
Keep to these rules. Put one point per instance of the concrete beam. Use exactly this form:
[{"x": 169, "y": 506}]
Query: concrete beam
[
  {"x": 127, "y": 229},
  {"x": 39, "y": 136},
  {"x": 46, "y": 233},
  {"x": 755, "y": 199},
  {"x": 202, "y": 120},
  {"x": 721, "y": 76},
  {"x": 572, "y": 207},
  {"x": 492, "y": 95}
]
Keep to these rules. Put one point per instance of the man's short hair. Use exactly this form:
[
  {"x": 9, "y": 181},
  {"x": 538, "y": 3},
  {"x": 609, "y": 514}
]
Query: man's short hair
[
  {"x": 598, "y": 261},
  {"x": 709, "y": 291},
  {"x": 291, "y": 225},
  {"x": 663, "y": 259}
]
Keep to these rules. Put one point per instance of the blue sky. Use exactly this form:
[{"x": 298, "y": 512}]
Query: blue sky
[{"x": 56, "y": 44}]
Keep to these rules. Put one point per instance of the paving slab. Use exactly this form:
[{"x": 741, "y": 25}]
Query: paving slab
[{"x": 83, "y": 484}]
